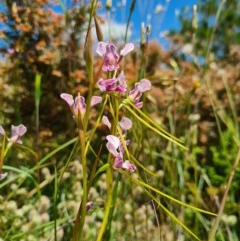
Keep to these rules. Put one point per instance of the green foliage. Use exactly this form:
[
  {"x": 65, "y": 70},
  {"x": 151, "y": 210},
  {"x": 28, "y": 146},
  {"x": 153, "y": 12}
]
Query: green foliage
[
  {"x": 221, "y": 162},
  {"x": 212, "y": 29}
]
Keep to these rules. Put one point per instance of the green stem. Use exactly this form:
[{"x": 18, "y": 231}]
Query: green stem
[
  {"x": 80, "y": 219},
  {"x": 109, "y": 200},
  {"x": 114, "y": 109},
  {"x": 3, "y": 153}
]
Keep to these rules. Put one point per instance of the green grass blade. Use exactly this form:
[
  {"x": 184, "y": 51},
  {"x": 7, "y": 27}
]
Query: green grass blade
[
  {"x": 52, "y": 153},
  {"x": 170, "y": 214},
  {"x": 145, "y": 185},
  {"x": 154, "y": 126}
]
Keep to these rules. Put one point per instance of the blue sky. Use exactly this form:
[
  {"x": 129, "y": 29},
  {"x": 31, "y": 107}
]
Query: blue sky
[
  {"x": 145, "y": 11},
  {"x": 160, "y": 14}
]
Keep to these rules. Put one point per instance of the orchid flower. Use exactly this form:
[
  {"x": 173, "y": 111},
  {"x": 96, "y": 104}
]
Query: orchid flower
[
  {"x": 115, "y": 145},
  {"x": 125, "y": 123},
  {"x": 111, "y": 57},
  {"x": 115, "y": 84},
  {"x": 79, "y": 104},
  {"x": 17, "y": 133},
  {"x": 136, "y": 93}
]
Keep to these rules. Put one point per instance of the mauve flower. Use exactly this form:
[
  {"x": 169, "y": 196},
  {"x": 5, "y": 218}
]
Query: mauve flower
[
  {"x": 115, "y": 84},
  {"x": 125, "y": 123},
  {"x": 136, "y": 93},
  {"x": 113, "y": 144},
  {"x": 116, "y": 148},
  {"x": 107, "y": 85},
  {"x": 119, "y": 163},
  {"x": 79, "y": 104},
  {"x": 17, "y": 133},
  {"x": 129, "y": 166},
  {"x": 111, "y": 57}
]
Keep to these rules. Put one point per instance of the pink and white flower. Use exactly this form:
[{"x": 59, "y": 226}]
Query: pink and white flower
[
  {"x": 115, "y": 144},
  {"x": 17, "y": 133},
  {"x": 79, "y": 104},
  {"x": 110, "y": 55},
  {"x": 136, "y": 93},
  {"x": 115, "y": 84}
]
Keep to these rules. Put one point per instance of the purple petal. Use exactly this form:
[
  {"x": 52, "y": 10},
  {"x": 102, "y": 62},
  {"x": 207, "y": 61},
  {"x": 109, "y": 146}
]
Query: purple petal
[
  {"x": 107, "y": 85},
  {"x": 120, "y": 89},
  {"x": 118, "y": 161},
  {"x": 125, "y": 123},
  {"x": 144, "y": 85},
  {"x": 106, "y": 122},
  {"x": 127, "y": 165},
  {"x": 113, "y": 144},
  {"x": 68, "y": 98},
  {"x": 79, "y": 104},
  {"x": 139, "y": 105},
  {"x": 122, "y": 79},
  {"x": 111, "y": 148},
  {"x": 121, "y": 148},
  {"x": 95, "y": 100},
  {"x": 101, "y": 48},
  {"x": 14, "y": 130},
  {"x": 134, "y": 93},
  {"x": 101, "y": 84},
  {"x": 3, "y": 175},
  {"x": 127, "y": 48},
  {"x": 22, "y": 129},
  {"x": 111, "y": 58},
  {"x": 114, "y": 140},
  {"x": 19, "y": 130},
  {"x": 2, "y": 132}
]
